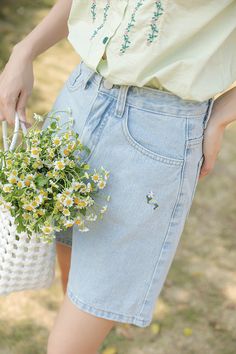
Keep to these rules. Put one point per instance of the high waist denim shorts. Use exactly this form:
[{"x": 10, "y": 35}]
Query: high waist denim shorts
[{"x": 151, "y": 143}]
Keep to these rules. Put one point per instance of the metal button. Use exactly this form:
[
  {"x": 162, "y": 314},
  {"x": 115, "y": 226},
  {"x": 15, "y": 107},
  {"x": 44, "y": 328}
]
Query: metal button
[{"x": 107, "y": 84}]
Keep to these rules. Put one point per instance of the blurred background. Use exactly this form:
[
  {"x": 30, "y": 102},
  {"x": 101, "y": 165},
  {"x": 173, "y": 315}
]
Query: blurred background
[{"x": 196, "y": 311}]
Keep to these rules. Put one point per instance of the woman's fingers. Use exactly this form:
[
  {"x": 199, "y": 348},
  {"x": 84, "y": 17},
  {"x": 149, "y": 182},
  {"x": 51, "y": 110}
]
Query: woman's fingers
[
  {"x": 211, "y": 146},
  {"x": 16, "y": 84},
  {"x": 21, "y": 106},
  {"x": 208, "y": 165},
  {"x": 8, "y": 100},
  {"x": 1, "y": 117},
  {"x": 7, "y": 108}
]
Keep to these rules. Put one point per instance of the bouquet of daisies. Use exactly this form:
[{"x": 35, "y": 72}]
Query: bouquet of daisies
[
  {"x": 45, "y": 184},
  {"x": 46, "y": 187}
]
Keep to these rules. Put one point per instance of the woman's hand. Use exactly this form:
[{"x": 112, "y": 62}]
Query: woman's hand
[
  {"x": 211, "y": 146},
  {"x": 16, "y": 85},
  {"x": 223, "y": 113},
  {"x": 16, "y": 80}
]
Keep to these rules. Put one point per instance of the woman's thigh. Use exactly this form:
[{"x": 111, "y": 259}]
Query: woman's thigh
[{"x": 76, "y": 331}]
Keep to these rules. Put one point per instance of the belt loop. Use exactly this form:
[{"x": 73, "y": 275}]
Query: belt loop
[
  {"x": 88, "y": 73},
  {"x": 87, "y": 77},
  {"x": 121, "y": 100},
  {"x": 208, "y": 113}
]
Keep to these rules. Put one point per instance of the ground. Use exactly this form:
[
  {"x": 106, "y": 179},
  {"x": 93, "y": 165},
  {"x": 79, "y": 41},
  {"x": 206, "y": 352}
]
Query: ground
[{"x": 196, "y": 311}]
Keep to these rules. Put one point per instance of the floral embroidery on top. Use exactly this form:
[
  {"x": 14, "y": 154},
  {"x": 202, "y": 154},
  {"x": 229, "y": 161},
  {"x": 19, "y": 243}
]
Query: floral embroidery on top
[
  {"x": 93, "y": 9},
  {"x": 152, "y": 34},
  {"x": 105, "y": 12},
  {"x": 126, "y": 40},
  {"x": 154, "y": 29}
]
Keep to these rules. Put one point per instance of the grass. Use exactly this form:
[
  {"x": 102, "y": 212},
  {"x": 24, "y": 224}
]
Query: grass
[{"x": 200, "y": 290}]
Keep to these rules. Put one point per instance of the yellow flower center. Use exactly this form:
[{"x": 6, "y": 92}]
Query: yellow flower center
[
  {"x": 60, "y": 165},
  {"x": 47, "y": 229},
  {"x": 95, "y": 178},
  {"x": 13, "y": 180},
  {"x": 78, "y": 221},
  {"x": 29, "y": 208},
  {"x": 57, "y": 141},
  {"x": 41, "y": 212},
  {"x": 82, "y": 203},
  {"x": 34, "y": 151},
  {"x": 27, "y": 183},
  {"x": 66, "y": 152}
]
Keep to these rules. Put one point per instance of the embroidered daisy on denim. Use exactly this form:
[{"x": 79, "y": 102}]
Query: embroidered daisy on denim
[{"x": 151, "y": 199}]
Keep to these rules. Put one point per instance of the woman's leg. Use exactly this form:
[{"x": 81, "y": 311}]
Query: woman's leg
[
  {"x": 76, "y": 331},
  {"x": 64, "y": 257}
]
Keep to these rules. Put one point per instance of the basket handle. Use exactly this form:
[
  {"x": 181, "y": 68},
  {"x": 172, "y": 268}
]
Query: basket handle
[{"x": 18, "y": 122}]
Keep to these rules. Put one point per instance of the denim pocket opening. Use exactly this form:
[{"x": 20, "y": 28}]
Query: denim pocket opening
[
  {"x": 199, "y": 165},
  {"x": 140, "y": 136}
]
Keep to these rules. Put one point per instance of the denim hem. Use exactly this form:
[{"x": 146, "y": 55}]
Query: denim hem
[{"x": 107, "y": 314}]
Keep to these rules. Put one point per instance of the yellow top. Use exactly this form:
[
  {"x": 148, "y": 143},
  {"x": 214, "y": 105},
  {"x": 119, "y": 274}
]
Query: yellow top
[{"x": 182, "y": 46}]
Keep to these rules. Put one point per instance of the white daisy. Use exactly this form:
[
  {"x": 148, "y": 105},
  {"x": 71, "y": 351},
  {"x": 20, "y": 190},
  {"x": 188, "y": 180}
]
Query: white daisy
[
  {"x": 84, "y": 229},
  {"x": 59, "y": 165},
  {"x": 56, "y": 141},
  {"x": 101, "y": 184},
  {"x": 104, "y": 209},
  {"x": 68, "y": 223},
  {"x": 68, "y": 201},
  {"x": 7, "y": 188},
  {"x": 46, "y": 229}
]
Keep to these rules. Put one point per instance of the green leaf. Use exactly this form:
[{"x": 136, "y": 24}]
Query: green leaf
[
  {"x": 41, "y": 181},
  {"x": 86, "y": 167},
  {"x": 53, "y": 125},
  {"x": 20, "y": 226},
  {"x": 83, "y": 211}
]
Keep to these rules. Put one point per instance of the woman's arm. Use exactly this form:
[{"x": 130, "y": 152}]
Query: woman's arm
[
  {"x": 16, "y": 85},
  {"x": 48, "y": 32},
  {"x": 223, "y": 113}
]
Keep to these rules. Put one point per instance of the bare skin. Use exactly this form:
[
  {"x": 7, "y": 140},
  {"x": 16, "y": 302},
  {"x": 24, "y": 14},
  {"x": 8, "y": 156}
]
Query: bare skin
[
  {"x": 76, "y": 331},
  {"x": 83, "y": 324},
  {"x": 64, "y": 257},
  {"x": 223, "y": 113}
]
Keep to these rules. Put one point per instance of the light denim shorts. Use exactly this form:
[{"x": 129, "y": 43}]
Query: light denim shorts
[{"x": 151, "y": 142}]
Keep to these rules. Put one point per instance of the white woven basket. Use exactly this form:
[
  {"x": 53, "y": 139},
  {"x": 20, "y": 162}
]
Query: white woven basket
[{"x": 24, "y": 263}]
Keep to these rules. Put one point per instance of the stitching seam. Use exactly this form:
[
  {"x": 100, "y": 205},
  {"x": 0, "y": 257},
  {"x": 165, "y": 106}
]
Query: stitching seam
[{"x": 156, "y": 270}]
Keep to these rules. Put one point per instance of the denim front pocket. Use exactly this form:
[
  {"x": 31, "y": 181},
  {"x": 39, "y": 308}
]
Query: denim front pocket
[{"x": 159, "y": 136}]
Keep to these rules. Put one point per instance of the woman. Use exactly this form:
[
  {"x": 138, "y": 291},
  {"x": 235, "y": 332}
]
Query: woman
[{"x": 143, "y": 99}]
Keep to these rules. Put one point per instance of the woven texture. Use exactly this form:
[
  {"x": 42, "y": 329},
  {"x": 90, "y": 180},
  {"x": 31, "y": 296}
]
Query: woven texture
[{"x": 24, "y": 263}]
